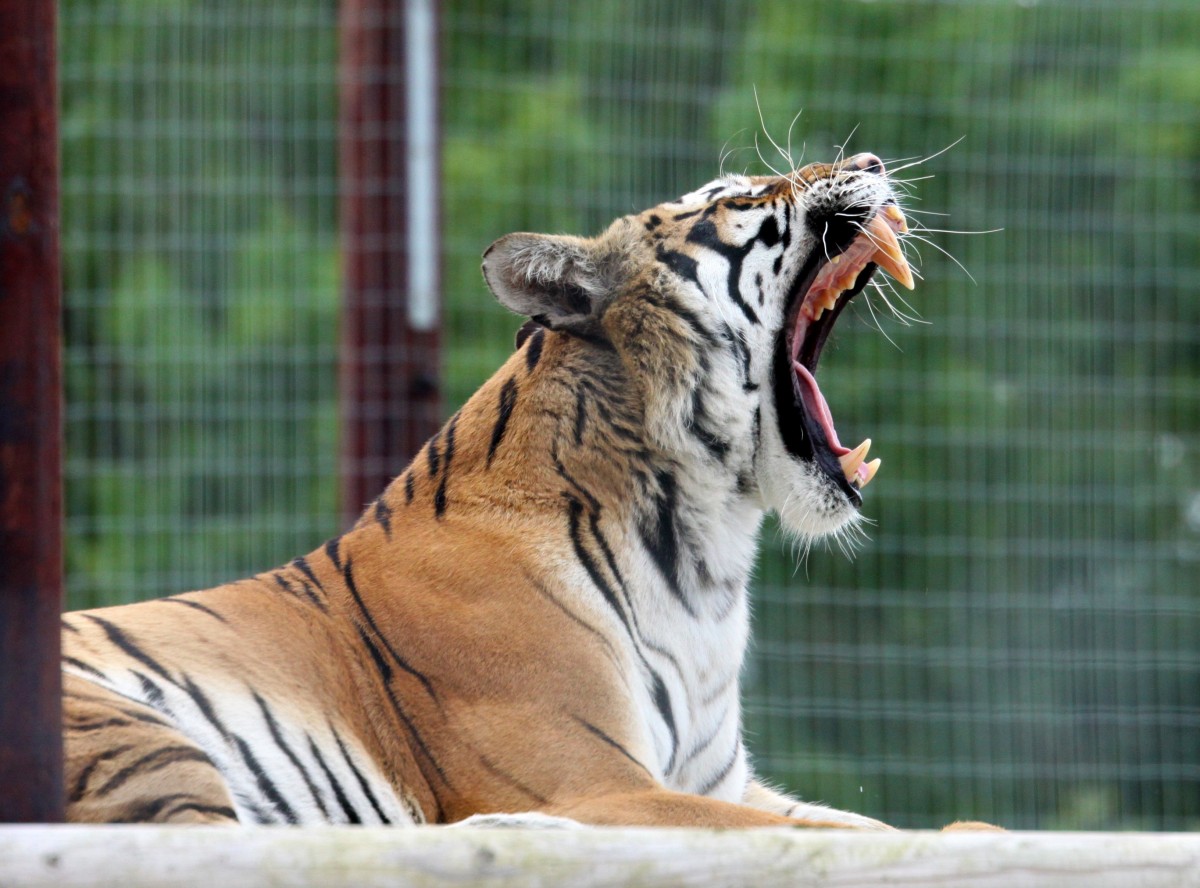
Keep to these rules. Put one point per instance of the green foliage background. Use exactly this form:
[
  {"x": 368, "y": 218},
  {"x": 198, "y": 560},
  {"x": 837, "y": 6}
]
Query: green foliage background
[{"x": 1020, "y": 639}]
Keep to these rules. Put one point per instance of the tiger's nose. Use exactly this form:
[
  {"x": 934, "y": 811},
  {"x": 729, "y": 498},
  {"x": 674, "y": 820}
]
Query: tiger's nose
[{"x": 865, "y": 163}]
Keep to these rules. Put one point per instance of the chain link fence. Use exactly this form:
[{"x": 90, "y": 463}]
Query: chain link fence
[{"x": 1019, "y": 640}]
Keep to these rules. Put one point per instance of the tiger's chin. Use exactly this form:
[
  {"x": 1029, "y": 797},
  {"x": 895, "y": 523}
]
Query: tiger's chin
[{"x": 810, "y": 506}]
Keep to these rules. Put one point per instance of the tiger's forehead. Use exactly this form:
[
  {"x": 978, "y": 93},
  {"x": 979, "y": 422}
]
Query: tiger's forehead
[
  {"x": 761, "y": 188},
  {"x": 750, "y": 187}
]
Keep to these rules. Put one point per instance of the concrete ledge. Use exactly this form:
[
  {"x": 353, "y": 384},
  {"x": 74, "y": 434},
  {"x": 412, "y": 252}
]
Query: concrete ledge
[{"x": 221, "y": 857}]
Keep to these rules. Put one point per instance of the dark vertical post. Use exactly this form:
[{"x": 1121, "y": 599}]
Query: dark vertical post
[
  {"x": 390, "y": 240},
  {"x": 31, "y": 765}
]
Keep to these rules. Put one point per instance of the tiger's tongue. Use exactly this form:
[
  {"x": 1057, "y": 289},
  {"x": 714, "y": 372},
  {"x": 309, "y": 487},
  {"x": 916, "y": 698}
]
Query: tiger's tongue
[{"x": 852, "y": 461}]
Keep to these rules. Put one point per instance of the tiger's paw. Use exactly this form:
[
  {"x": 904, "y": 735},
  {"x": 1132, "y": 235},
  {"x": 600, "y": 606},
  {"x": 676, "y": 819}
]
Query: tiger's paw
[
  {"x": 526, "y": 820},
  {"x": 972, "y": 826}
]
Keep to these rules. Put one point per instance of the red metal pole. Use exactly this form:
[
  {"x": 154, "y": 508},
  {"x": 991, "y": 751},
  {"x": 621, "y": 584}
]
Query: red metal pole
[
  {"x": 390, "y": 374},
  {"x": 31, "y": 768}
]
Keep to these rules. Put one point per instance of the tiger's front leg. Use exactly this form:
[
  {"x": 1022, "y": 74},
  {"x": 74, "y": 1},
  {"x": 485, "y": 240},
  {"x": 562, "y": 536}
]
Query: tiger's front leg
[
  {"x": 657, "y": 806},
  {"x": 764, "y": 798}
]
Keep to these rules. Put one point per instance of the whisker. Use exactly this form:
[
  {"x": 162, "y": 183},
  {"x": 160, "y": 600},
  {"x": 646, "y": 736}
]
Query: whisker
[
  {"x": 925, "y": 159},
  {"x": 762, "y": 123},
  {"x": 925, "y": 240},
  {"x": 952, "y": 231}
]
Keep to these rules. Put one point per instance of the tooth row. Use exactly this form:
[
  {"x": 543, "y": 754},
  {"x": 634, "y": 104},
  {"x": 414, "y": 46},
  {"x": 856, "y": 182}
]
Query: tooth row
[
  {"x": 853, "y": 467},
  {"x": 826, "y": 297}
]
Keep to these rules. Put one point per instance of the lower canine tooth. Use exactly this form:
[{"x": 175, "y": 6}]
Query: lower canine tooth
[
  {"x": 868, "y": 472},
  {"x": 852, "y": 460}
]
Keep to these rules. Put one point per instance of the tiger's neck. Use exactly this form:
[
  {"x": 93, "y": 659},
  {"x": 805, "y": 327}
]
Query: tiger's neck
[{"x": 557, "y": 440}]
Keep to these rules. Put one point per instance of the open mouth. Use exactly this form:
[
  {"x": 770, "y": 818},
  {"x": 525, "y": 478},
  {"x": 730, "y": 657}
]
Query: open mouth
[{"x": 825, "y": 285}]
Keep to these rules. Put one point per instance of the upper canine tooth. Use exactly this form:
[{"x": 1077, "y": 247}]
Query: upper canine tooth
[{"x": 888, "y": 254}]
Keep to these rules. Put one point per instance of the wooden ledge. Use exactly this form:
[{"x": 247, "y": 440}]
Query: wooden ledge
[{"x": 364, "y": 857}]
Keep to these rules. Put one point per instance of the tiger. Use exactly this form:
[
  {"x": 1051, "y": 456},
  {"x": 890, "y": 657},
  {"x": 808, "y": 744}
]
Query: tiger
[{"x": 544, "y": 617}]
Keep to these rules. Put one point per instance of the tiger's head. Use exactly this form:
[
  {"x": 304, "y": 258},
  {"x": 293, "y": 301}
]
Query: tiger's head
[{"x": 718, "y": 304}]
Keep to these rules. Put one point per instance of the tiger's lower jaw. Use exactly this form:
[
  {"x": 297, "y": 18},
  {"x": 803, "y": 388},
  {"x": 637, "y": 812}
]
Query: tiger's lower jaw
[
  {"x": 818, "y": 510},
  {"x": 811, "y": 506}
]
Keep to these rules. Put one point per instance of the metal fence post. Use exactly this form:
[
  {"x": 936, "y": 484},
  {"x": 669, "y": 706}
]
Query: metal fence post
[
  {"x": 390, "y": 386},
  {"x": 31, "y": 764}
]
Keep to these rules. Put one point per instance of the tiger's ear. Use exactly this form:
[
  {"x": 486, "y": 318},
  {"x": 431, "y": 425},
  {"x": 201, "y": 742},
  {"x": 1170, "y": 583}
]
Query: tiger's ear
[{"x": 557, "y": 281}]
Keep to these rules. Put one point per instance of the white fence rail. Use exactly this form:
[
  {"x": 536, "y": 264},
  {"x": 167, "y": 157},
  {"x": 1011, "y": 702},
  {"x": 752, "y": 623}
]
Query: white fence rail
[{"x": 154, "y": 857}]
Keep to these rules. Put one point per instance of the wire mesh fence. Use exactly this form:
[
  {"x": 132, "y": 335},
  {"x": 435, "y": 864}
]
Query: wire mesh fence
[{"x": 1019, "y": 640}]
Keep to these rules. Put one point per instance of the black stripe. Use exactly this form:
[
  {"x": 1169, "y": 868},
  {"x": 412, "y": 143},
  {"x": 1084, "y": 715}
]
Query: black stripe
[
  {"x": 348, "y": 576},
  {"x": 574, "y": 512},
  {"x": 717, "y": 447},
  {"x": 163, "y": 757},
  {"x": 362, "y": 781},
  {"x": 659, "y": 537},
  {"x": 122, "y": 641},
  {"x": 84, "y": 667},
  {"x": 653, "y": 222},
  {"x": 553, "y": 599},
  {"x": 154, "y": 695},
  {"x": 81, "y": 782},
  {"x": 195, "y": 605},
  {"x": 149, "y": 809},
  {"x": 512, "y": 781},
  {"x": 687, "y": 315},
  {"x": 282, "y": 582},
  {"x": 422, "y": 746},
  {"x": 338, "y": 793},
  {"x": 265, "y": 784},
  {"x": 383, "y": 514},
  {"x": 683, "y": 265},
  {"x": 716, "y": 779},
  {"x": 439, "y": 498},
  {"x": 87, "y": 727},
  {"x": 306, "y": 569},
  {"x": 533, "y": 353},
  {"x": 333, "y": 551},
  {"x": 200, "y": 808},
  {"x": 431, "y": 453},
  {"x": 706, "y": 235},
  {"x": 768, "y": 234},
  {"x": 408, "y": 487},
  {"x": 706, "y": 742},
  {"x": 662, "y": 702},
  {"x": 144, "y": 717},
  {"x": 508, "y": 400},
  {"x": 277, "y": 736},
  {"x": 580, "y": 414},
  {"x": 385, "y": 671},
  {"x": 204, "y": 705},
  {"x": 107, "y": 703},
  {"x": 611, "y": 742},
  {"x": 70, "y": 627}
]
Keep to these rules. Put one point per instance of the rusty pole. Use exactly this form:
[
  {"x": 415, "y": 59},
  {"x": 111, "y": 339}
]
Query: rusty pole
[
  {"x": 30, "y": 419},
  {"x": 390, "y": 386}
]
